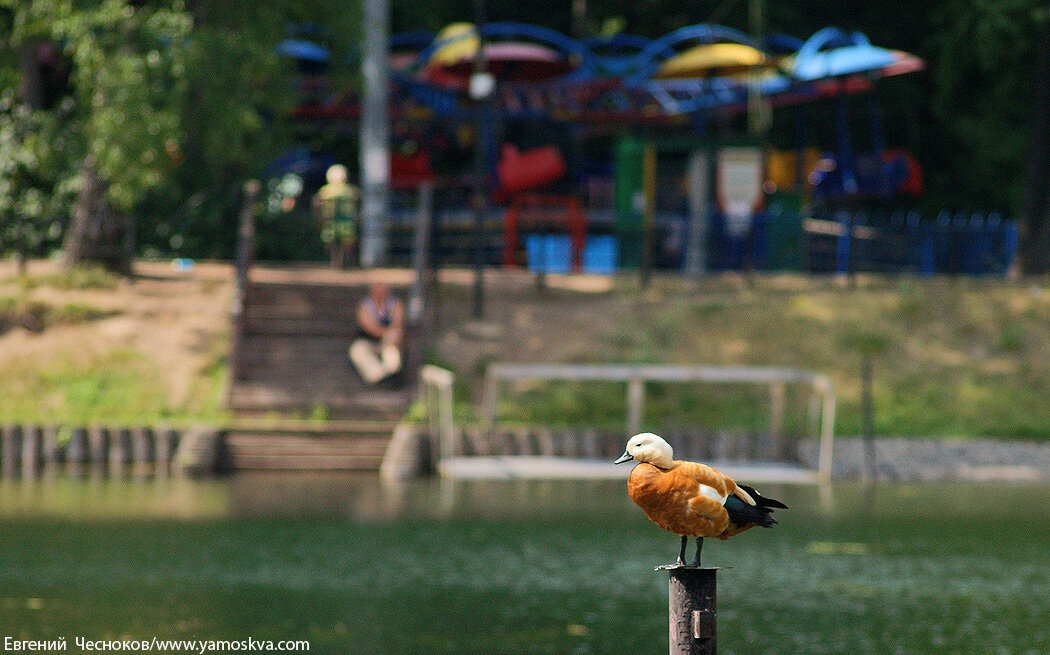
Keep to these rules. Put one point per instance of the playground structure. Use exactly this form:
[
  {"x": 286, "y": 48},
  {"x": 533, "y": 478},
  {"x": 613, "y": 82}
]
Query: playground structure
[{"x": 631, "y": 134}]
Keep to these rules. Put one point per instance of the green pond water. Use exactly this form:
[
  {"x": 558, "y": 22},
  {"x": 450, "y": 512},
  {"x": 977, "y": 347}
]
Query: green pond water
[{"x": 356, "y": 566}]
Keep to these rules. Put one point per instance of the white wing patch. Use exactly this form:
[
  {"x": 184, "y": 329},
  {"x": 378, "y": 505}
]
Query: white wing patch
[{"x": 710, "y": 492}]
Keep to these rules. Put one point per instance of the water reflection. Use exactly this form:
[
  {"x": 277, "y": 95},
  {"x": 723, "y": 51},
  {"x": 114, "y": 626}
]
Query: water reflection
[
  {"x": 515, "y": 566},
  {"x": 363, "y": 498},
  {"x": 98, "y": 497}
]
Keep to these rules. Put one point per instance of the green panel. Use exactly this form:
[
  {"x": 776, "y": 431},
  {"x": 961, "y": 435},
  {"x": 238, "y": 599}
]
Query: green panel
[
  {"x": 628, "y": 217},
  {"x": 785, "y": 230}
]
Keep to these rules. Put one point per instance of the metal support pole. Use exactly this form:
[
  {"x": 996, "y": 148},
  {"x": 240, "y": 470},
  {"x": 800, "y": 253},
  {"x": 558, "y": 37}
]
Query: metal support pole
[
  {"x": 846, "y": 163},
  {"x": 698, "y": 175},
  {"x": 691, "y": 611},
  {"x": 245, "y": 253},
  {"x": 777, "y": 393},
  {"x": 481, "y": 145},
  {"x": 867, "y": 415},
  {"x": 421, "y": 249},
  {"x": 420, "y": 299},
  {"x": 375, "y": 132},
  {"x": 649, "y": 217},
  {"x": 635, "y": 400},
  {"x": 491, "y": 393},
  {"x": 827, "y": 430}
]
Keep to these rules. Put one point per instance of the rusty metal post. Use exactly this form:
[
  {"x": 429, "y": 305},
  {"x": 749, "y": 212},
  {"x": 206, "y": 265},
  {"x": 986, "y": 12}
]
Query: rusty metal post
[
  {"x": 54, "y": 452},
  {"x": 11, "y": 450},
  {"x": 78, "y": 452},
  {"x": 119, "y": 451},
  {"x": 98, "y": 448},
  {"x": 691, "y": 610},
  {"x": 32, "y": 450}
]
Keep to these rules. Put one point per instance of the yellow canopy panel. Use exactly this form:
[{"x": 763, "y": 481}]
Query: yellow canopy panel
[
  {"x": 462, "y": 43},
  {"x": 712, "y": 60}
]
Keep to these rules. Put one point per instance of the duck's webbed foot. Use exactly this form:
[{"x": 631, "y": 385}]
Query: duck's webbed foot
[
  {"x": 681, "y": 553},
  {"x": 699, "y": 547}
]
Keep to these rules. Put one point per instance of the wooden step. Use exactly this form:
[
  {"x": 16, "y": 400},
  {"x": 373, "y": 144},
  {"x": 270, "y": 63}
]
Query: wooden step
[
  {"x": 263, "y": 427},
  {"x": 290, "y": 445},
  {"x": 309, "y": 297},
  {"x": 254, "y": 462},
  {"x": 259, "y": 395},
  {"x": 341, "y": 327}
]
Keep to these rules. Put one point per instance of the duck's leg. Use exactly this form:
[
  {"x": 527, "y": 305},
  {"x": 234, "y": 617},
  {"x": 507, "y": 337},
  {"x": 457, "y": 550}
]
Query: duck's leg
[
  {"x": 681, "y": 554},
  {"x": 699, "y": 547}
]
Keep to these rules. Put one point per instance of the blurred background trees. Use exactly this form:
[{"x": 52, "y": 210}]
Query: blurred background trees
[
  {"x": 134, "y": 124},
  {"x": 158, "y": 110}
]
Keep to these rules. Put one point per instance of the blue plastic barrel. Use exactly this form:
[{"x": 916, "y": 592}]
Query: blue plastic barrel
[
  {"x": 599, "y": 255},
  {"x": 548, "y": 253}
]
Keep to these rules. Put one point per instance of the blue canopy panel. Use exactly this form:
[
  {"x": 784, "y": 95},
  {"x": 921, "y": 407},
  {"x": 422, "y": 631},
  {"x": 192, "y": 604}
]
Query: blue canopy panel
[
  {"x": 833, "y": 53},
  {"x": 617, "y": 55},
  {"x": 303, "y": 50}
]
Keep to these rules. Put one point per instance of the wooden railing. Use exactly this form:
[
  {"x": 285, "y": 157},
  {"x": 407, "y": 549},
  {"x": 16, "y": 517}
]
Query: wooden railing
[{"x": 820, "y": 405}]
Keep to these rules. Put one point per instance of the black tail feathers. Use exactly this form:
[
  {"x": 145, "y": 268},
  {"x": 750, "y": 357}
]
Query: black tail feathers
[
  {"x": 761, "y": 513},
  {"x": 741, "y": 513},
  {"x": 762, "y": 500}
]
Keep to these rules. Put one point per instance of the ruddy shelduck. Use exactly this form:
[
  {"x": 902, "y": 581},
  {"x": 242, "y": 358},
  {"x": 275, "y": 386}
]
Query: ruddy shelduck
[{"x": 691, "y": 499}]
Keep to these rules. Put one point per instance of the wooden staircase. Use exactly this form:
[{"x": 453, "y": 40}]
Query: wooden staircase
[
  {"x": 290, "y": 354},
  {"x": 330, "y": 446}
]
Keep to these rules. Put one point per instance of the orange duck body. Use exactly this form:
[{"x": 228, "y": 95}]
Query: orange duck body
[
  {"x": 688, "y": 499},
  {"x": 691, "y": 499}
]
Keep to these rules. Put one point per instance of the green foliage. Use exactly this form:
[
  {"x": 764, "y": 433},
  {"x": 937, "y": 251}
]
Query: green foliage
[
  {"x": 129, "y": 79},
  {"x": 37, "y": 151},
  {"x": 175, "y": 106},
  {"x": 983, "y": 77}
]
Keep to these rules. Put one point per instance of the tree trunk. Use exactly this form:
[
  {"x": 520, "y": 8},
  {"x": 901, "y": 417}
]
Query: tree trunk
[
  {"x": 1035, "y": 210},
  {"x": 97, "y": 233},
  {"x": 31, "y": 91},
  {"x": 31, "y": 82}
]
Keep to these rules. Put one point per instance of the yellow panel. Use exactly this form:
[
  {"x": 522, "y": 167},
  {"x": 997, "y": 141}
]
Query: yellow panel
[
  {"x": 462, "y": 44},
  {"x": 712, "y": 60}
]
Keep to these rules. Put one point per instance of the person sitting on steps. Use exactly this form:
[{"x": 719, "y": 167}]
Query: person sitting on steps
[{"x": 376, "y": 349}]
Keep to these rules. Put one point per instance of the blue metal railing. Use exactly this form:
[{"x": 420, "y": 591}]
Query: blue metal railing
[{"x": 976, "y": 245}]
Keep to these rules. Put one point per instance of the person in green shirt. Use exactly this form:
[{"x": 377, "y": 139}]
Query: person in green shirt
[{"x": 336, "y": 204}]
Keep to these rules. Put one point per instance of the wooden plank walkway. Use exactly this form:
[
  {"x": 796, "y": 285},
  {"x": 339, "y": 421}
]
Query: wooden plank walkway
[{"x": 551, "y": 468}]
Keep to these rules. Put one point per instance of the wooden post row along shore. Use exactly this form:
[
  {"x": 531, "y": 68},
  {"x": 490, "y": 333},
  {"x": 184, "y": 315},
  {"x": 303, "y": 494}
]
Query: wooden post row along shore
[{"x": 28, "y": 450}]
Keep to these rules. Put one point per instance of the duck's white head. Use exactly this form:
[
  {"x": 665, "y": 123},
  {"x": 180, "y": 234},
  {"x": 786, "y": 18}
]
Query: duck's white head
[{"x": 650, "y": 448}]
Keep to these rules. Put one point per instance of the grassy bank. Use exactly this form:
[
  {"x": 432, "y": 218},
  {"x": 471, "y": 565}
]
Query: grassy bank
[
  {"x": 958, "y": 357},
  {"x": 83, "y": 347}
]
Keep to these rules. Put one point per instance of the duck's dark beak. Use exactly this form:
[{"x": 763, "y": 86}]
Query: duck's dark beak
[{"x": 625, "y": 457}]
